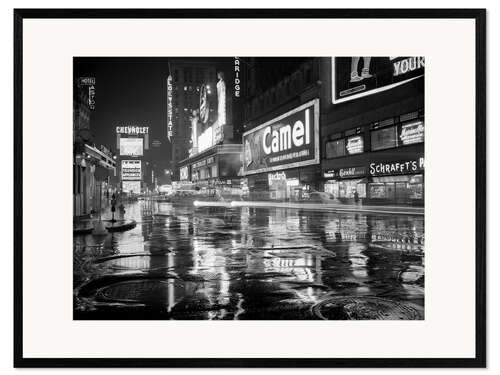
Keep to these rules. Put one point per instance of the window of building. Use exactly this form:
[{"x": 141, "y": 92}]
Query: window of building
[
  {"x": 335, "y": 148},
  {"x": 384, "y": 138},
  {"x": 355, "y": 144},
  {"x": 399, "y": 188},
  {"x": 397, "y": 134},
  {"x": 348, "y": 143}
]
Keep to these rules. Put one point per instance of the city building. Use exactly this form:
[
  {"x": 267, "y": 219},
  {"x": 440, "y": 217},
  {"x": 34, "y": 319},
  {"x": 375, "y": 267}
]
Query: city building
[
  {"x": 372, "y": 130},
  {"x": 213, "y": 158},
  {"x": 94, "y": 168},
  {"x": 188, "y": 78},
  {"x": 282, "y": 117},
  {"x": 350, "y": 127}
]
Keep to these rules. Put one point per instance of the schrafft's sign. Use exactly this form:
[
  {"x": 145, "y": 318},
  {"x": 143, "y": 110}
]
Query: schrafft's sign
[
  {"x": 134, "y": 130},
  {"x": 358, "y": 76},
  {"x": 397, "y": 167},
  {"x": 131, "y": 170},
  {"x": 170, "y": 109},
  {"x": 288, "y": 141}
]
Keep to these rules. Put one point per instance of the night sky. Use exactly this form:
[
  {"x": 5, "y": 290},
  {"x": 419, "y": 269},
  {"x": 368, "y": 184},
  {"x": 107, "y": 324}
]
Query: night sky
[
  {"x": 132, "y": 91},
  {"x": 129, "y": 91}
]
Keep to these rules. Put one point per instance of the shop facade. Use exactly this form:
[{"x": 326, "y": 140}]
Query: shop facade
[
  {"x": 395, "y": 182},
  {"x": 281, "y": 156},
  {"x": 216, "y": 169}
]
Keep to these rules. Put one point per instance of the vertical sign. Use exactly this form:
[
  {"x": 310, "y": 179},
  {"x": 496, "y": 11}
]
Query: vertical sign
[
  {"x": 169, "y": 108},
  {"x": 90, "y": 83}
]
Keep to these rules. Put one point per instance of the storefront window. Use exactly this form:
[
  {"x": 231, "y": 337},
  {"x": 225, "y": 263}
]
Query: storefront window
[
  {"x": 335, "y": 148},
  {"x": 346, "y": 188},
  {"x": 214, "y": 170},
  {"x": 384, "y": 138},
  {"x": 378, "y": 191},
  {"x": 361, "y": 189},
  {"x": 399, "y": 188},
  {"x": 416, "y": 187}
]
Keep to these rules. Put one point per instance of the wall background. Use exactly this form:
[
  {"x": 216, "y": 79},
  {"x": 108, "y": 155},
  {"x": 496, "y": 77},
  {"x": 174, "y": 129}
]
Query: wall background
[{"x": 6, "y": 149}]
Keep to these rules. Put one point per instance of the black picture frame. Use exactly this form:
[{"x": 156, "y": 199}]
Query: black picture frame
[{"x": 479, "y": 15}]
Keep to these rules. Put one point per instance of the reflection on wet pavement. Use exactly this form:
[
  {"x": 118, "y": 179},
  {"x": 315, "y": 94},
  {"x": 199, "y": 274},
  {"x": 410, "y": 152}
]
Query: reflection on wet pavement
[{"x": 182, "y": 262}]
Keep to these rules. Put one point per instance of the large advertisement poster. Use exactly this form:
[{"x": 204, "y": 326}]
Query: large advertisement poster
[
  {"x": 184, "y": 173},
  {"x": 207, "y": 126},
  {"x": 131, "y": 170},
  {"x": 131, "y": 146},
  {"x": 131, "y": 187},
  {"x": 358, "y": 76},
  {"x": 288, "y": 141}
]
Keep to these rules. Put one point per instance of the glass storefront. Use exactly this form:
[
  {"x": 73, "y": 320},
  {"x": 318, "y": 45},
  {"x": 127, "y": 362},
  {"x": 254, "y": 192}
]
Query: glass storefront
[
  {"x": 289, "y": 185},
  {"x": 346, "y": 188},
  {"x": 400, "y": 189},
  {"x": 403, "y": 189}
]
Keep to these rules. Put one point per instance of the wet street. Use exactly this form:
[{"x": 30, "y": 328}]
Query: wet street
[{"x": 187, "y": 262}]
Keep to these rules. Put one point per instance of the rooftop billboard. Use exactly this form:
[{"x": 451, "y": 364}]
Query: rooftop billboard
[{"x": 288, "y": 141}]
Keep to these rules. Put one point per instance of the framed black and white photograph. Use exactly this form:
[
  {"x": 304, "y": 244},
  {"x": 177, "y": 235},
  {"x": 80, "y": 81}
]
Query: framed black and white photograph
[{"x": 244, "y": 188}]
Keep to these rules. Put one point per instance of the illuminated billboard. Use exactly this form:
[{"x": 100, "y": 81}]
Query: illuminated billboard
[
  {"x": 412, "y": 132},
  {"x": 215, "y": 129},
  {"x": 288, "y": 141},
  {"x": 357, "y": 76},
  {"x": 131, "y": 146},
  {"x": 131, "y": 170},
  {"x": 184, "y": 173},
  {"x": 170, "y": 109},
  {"x": 206, "y": 140},
  {"x": 131, "y": 187}
]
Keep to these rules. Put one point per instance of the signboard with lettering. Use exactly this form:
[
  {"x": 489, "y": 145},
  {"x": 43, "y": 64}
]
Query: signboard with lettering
[
  {"x": 288, "y": 141},
  {"x": 357, "y": 76},
  {"x": 90, "y": 82},
  {"x": 412, "y": 132},
  {"x": 132, "y": 130},
  {"x": 131, "y": 146},
  {"x": 355, "y": 145},
  {"x": 131, "y": 170},
  {"x": 350, "y": 172},
  {"x": 170, "y": 108},
  {"x": 206, "y": 140},
  {"x": 131, "y": 187},
  {"x": 200, "y": 163},
  {"x": 184, "y": 173},
  {"x": 397, "y": 167}
]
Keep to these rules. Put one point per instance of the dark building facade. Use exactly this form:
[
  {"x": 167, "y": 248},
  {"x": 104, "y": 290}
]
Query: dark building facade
[
  {"x": 94, "y": 167},
  {"x": 188, "y": 77},
  {"x": 213, "y": 157},
  {"x": 281, "y": 142},
  {"x": 373, "y": 142},
  {"x": 367, "y": 145}
]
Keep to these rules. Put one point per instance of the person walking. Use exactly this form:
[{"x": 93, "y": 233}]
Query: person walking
[
  {"x": 356, "y": 197},
  {"x": 113, "y": 207}
]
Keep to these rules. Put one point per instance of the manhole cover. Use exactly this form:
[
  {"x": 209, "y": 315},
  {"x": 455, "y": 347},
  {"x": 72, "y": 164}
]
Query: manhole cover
[{"x": 365, "y": 308}]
